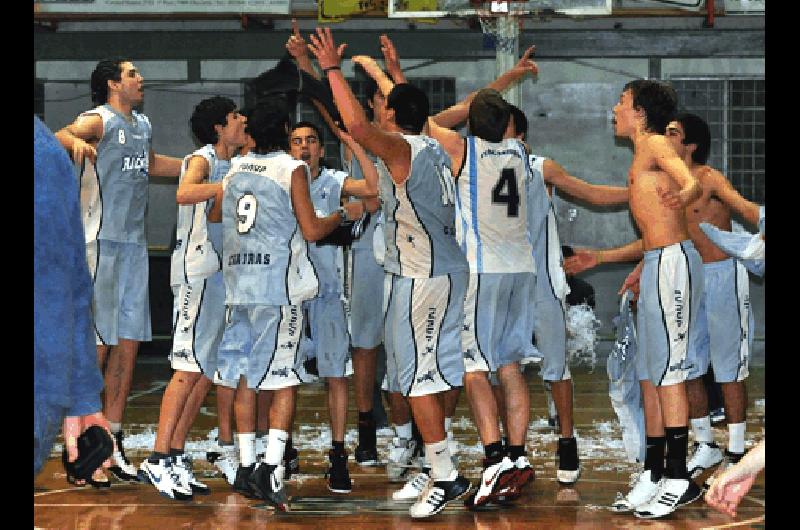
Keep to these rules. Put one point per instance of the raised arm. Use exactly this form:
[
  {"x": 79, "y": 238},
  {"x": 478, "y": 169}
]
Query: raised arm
[
  {"x": 723, "y": 189},
  {"x": 373, "y": 69},
  {"x": 164, "y": 166},
  {"x": 298, "y": 49},
  {"x": 452, "y": 116},
  {"x": 391, "y": 148},
  {"x": 668, "y": 160},
  {"x": 585, "y": 259},
  {"x": 596, "y": 194},
  {"x": 392, "y": 60},
  {"x": 313, "y": 228},
  {"x": 450, "y": 140},
  {"x": 78, "y": 137}
]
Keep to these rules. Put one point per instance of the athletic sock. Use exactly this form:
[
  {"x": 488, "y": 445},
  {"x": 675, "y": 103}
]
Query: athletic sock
[
  {"x": 654, "y": 456},
  {"x": 438, "y": 455},
  {"x": 493, "y": 452},
  {"x": 516, "y": 451},
  {"x": 403, "y": 431},
  {"x": 247, "y": 448},
  {"x": 701, "y": 428},
  {"x": 338, "y": 447},
  {"x": 736, "y": 437},
  {"x": 156, "y": 456},
  {"x": 677, "y": 447},
  {"x": 448, "y": 423},
  {"x": 276, "y": 445},
  {"x": 261, "y": 434},
  {"x": 175, "y": 452},
  {"x": 115, "y": 427},
  {"x": 568, "y": 454},
  {"x": 367, "y": 437}
]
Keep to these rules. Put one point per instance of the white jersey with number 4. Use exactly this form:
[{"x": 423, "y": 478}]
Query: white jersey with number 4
[{"x": 492, "y": 220}]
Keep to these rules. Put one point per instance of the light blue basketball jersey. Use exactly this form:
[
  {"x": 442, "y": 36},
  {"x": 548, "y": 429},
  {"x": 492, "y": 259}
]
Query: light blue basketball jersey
[
  {"x": 326, "y": 194},
  {"x": 491, "y": 209},
  {"x": 198, "y": 246},
  {"x": 544, "y": 232},
  {"x": 265, "y": 258},
  {"x": 420, "y": 214},
  {"x": 114, "y": 188},
  {"x": 354, "y": 171}
]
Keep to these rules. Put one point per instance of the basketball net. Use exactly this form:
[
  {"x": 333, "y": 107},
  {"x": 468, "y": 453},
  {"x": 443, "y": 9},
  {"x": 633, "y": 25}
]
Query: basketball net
[{"x": 502, "y": 24}]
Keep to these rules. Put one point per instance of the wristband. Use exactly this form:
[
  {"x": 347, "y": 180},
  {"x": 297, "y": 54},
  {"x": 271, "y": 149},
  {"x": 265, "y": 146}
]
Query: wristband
[{"x": 326, "y": 70}]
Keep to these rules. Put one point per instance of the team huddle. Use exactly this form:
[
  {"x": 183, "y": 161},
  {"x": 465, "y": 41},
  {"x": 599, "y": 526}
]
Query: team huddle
[{"x": 441, "y": 247}]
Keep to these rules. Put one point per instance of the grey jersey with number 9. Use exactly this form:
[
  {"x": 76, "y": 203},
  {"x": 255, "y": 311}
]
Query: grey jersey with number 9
[{"x": 265, "y": 258}]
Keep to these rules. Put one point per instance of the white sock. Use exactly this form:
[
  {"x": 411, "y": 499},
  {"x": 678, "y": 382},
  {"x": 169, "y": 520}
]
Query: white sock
[
  {"x": 115, "y": 427},
  {"x": 403, "y": 431},
  {"x": 736, "y": 437},
  {"x": 701, "y": 428},
  {"x": 276, "y": 445},
  {"x": 438, "y": 454},
  {"x": 247, "y": 448},
  {"x": 448, "y": 423}
]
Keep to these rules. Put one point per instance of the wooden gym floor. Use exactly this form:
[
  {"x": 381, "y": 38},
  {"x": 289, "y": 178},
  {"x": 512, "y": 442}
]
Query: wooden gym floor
[{"x": 545, "y": 504}]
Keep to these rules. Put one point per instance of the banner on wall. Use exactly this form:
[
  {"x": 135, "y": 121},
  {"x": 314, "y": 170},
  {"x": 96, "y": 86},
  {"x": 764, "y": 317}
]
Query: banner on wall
[{"x": 140, "y": 7}]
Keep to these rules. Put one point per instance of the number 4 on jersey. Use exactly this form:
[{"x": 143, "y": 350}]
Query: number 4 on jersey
[{"x": 508, "y": 179}]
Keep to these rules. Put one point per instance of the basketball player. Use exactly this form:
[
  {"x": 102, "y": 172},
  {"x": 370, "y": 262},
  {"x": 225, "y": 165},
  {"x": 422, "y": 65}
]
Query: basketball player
[
  {"x": 199, "y": 307},
  {"x": 267, "y": 218},
  {"x": 112, "y": 146}
]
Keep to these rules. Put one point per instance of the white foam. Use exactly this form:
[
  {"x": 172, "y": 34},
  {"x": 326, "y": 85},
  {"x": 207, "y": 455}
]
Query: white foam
[{"x": 582, "y": 326}]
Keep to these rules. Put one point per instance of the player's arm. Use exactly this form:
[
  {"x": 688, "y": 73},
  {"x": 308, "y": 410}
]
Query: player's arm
[
  {"x": 391, "y": 148},
  {"x": 452, "y": 116},
  {"x": 76, "y": 138},
  {"x": 450, "y": 140},
  {"x": 585, "y": 258},
  {"x": 668, "y": 160},
  {"x": 596, "y": 194},
  {"x": 373, "y": 69},
  {"x": 194, "y": 188},
  {"x": 313, "y": 228},
  {"x": 392, "y": 60},
  {"x": 723, "y": 189},
  {"x": 298, "y": 49},
  {"x": 164, "y": 166}
]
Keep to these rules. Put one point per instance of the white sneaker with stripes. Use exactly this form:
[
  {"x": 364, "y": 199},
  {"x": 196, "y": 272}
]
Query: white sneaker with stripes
[{"x": 672, "y": 493}]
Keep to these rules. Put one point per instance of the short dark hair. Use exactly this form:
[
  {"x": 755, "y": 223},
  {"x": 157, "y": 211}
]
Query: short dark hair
[
  {"x": 105, "y": 71},
  {"x": 488, "y": 115},
  {"x": 695, "y": 131},
  {"x": 268, "y": 124},
  {"x": 659, "y": 102},
  {"x": 520, "y": 122},
  {"x": 209, "y": 112},
  {"x": 410, "y": 105},
  {"x": 309, "y": 125}
]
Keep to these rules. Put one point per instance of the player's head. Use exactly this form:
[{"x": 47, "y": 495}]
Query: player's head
[
  {"x": 645, "y": 103},
  {"x": 520, "y": 123},
  {"x": 692, "y": 132},
  {"x": 305, "y": 143},
  {"x": 218, "y": 118},
  {"x": 376, "y": 101},
  {"x": 489, "y": 115},
  {"x": 268, "y": 125},
  {"x": 118, "y": 76},
  {"x": 408, "y": 107}
]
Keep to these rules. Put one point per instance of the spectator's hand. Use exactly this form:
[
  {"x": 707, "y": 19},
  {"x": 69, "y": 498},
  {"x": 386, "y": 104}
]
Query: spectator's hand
[
  {"x": 325, "y": 50},
  {"x": 81, "y": 149},
  {"x": 728, "y": 489},
  {"x": 582, "y": 260},
  {"x": 296, "y": 45},
  {"x": 669, "y": 198}
]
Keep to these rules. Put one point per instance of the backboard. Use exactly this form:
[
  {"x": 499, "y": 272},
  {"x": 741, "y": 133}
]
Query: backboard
[{"x": 463, "y": 8}]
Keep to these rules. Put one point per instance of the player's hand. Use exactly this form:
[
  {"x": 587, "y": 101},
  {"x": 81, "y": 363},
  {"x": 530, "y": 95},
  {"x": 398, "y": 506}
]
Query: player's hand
[
  {"x": 73, "y": 427},
  {"x": 355, "y": 209},
  {"x": 631, "y": 283},
  {"x": 669, "y": 198},
  {"x": 582, "y": 260},
  {"x": 526, "y": 64},
  {"x": 325, "y": 50},
  {"x": 81, "y": 149},
  {"x": 296, "y": 45},
  {"x": 390, "y": 56},
  {"x": 728, "y": 489}
]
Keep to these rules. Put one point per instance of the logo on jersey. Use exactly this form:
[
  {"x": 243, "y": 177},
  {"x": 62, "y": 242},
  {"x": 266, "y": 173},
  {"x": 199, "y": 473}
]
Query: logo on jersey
[
  {"x": 293, "y": 318},
  {"x": 134, "y": 162},
  {"x": 282, "y": 372},
  {"x": 678, "y": 296},
  {"x": 182, "y": 354},
  {"x": 426, "y": 377},
  {"x": 430, "y": 323},
  {"x": 121, "y": 136},
  {"x": 248, "y": 258}
]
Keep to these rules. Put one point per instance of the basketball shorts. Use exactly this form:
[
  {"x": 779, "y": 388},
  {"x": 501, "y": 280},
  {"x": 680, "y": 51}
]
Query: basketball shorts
[
  {"x": 366, "y": 303},
  {"x": 325, "y": 336},
  {"x": 199, "y": 320},
  {"x": 550, "y": 331}
]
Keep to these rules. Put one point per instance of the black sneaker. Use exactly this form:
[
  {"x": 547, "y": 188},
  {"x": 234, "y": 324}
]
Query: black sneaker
[
  {"x": 569, "y": 467},
  {"x": 438, "y": 493},
  {"x": 366, "y": 456},
  {"x": 337, "y": 474},
  {"x": 121, "y": 467},
  {"x": 241, "y": 483},
  {"x": 291, "y": 461},
  {"x": 266, "y": 481}
]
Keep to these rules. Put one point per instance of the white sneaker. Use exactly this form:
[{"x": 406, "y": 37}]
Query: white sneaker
[
  {"x": 226, "y": 459},
  {"x": 672, "y": 493},
  {"x": 401, "y": 454},
  {"x": 261, "y": 443},
  {"x": 165, "y": 478},
  {"x": 705, "y": 456},
  {"x": 494, "y": 479},
  {"x": 438, "y": 493},
  {"x": 643, "y": 489},
  {"x": 413, "y": 488},
  {"x": 121, "y": 467},
  {"x": 183, "y": 464}
]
